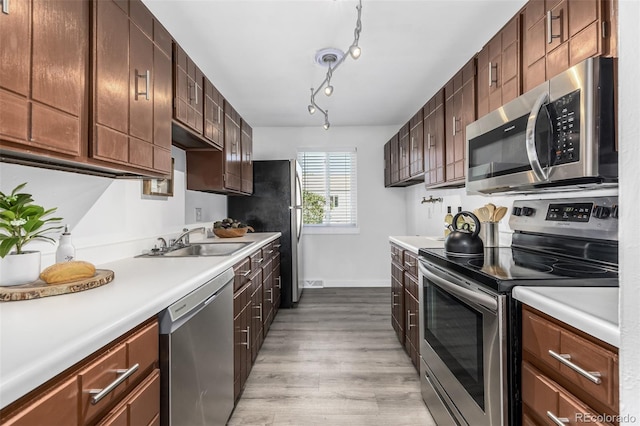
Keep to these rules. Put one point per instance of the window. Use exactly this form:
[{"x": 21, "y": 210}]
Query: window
[{"x": 329, "y": 189}]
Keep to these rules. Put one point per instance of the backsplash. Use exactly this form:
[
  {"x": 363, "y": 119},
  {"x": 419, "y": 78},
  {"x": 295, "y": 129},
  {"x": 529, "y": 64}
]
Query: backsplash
[{"x": 428, "y": 218}]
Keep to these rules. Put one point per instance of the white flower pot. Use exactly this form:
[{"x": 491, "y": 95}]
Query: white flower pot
[{"x": 16, "y": 269}]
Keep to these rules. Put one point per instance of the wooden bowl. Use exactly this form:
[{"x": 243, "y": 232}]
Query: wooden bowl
[{"x": 230, "y": 232}]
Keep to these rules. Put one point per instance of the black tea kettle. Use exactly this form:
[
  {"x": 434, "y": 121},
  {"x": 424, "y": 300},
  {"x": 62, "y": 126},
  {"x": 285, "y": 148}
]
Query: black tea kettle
[{"x": 464, "y": 242}]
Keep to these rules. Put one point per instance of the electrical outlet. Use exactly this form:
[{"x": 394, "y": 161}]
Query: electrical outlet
[{"x": 198, "y": 214}]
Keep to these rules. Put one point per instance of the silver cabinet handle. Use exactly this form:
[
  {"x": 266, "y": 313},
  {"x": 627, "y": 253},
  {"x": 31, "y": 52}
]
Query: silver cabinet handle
[
  {"x": 259, "y": 314},
  {"x": 270, "y": 296},
  {"x": 279, "y": 279},
  {"x": 98, "y": 394},
  {"x": 428, "y": 140},
  {"x": 244, "y": 274},
  {"x": 565, "y": 359},
  {"x": 147, "y": 77},
  {"x": 277, "y": 245},
  {"x": 195, "y": 86},
  {"x": 409, "y": 264},
  {"x": 550, "y": 35},
  {"x": 490, "y": 72},
  {"x": 5, "y": 6},
  {"x": 248, "y": 342},
  {"x": 219, "y": 109},
  {"x": 258, "y": 260},
  {"x": 560, "y": 421},
  {"x": 393, "y": 298},
  {"x": 454, "y": 125},
  {"x": 409, "y": 325},
  {"x": 491, "y": 76}
]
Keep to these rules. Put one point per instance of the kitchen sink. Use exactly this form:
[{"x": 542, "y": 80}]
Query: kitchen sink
[{"x": 202, "y": 249}]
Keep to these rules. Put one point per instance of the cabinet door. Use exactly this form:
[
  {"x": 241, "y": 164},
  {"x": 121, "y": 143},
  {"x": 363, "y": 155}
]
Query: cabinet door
[
  {"x": 213, "y": 114},
  {"x": 494, "y": 69},
  {"x": 59, "y": 406},
  {"x": 232, "y": 148},
  {"x": 434, "y": 140},
  {"x": 140, "y": 98},
  {"x": 483, "y": 83},
  {"x": 141, "y": 407},
  {"x": 111, "y": 76},
  {"x": 15, "y": 70},
  {"x": 459, "y": 109},
  {"x": 387, "y": 164},
  {"x": 404, "y": 153},
  {"x": 60, "y": 57},
  {"x": 510, "y": 61},
  {"x": 247, "y": 158},
  {"x": 161, "y": 111},
  {"x": 394, "y": 148},
  {"x": 181, "y": 85},
  {"x": 416, "y": 145},
  {"x": 534, "y": 45}
]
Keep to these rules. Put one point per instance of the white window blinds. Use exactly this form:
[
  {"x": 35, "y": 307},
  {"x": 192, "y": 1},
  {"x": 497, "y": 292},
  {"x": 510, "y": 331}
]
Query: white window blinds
[{"x": 329, "y": 187}]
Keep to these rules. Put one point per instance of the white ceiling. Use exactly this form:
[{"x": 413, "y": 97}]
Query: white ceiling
[{"x": 260, "y": 53}]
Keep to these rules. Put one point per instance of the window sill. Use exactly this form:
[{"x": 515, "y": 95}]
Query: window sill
[{"x": 333, "y": 230}]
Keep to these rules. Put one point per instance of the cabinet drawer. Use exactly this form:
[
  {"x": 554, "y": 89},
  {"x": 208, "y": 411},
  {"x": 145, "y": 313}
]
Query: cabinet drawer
[
  {"x": 411, "y": 285},
  {"x": 544, "y": 341},
  {"x": 396, "y": 254},
  {"x": 56, "y": 407},
  {"x": 142, "y": 349},
  {"x": 97, "y": 376},
  {"x": 410, "y": 263},
  {"x": 256, "y": 260},
  {"x": 542, "y": 398},
  {"x": 268, "y": 251},
  {"x": 241, "y": 272},
  {"x": 141, "y": 407}
]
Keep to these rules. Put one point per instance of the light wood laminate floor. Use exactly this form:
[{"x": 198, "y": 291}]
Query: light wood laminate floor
[{"x": 333, "y": 360}]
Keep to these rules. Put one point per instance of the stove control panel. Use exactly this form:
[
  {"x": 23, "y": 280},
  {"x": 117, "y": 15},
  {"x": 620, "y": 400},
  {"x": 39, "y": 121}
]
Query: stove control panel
[
  {"x": 588, "y": 217},
  {"x": 571, "y": 212}
]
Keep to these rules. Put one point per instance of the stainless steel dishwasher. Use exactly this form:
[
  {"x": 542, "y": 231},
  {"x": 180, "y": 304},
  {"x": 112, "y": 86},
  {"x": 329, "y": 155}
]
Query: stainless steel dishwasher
[{"x": 196, "y": 356}]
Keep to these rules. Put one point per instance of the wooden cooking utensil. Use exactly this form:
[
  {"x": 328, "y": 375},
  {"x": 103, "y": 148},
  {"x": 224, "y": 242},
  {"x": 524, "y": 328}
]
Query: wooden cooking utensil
[
  {"x": 490, "y": 209},
  {"x": 499, "y": 214}
]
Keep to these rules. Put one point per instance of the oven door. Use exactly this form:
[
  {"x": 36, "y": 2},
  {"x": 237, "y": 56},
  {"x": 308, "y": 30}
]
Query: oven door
[{"x": 463, "y": 349}]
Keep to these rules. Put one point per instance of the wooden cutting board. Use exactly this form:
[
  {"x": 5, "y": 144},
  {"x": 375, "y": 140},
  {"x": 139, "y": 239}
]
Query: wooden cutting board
[{"x": 39, "y": 288}]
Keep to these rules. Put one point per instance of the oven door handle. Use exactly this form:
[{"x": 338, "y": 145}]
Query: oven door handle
[
  {"x": 530, "y": 138},
  {"x": 469, "y": 295}
]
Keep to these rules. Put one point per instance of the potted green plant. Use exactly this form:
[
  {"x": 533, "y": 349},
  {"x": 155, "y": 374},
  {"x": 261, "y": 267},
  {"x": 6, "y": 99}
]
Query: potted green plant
[{"x": 22, "y": 221}]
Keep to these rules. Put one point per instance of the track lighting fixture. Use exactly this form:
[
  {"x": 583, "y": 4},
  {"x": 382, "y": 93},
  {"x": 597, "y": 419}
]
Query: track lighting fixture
[{"x": 333, "y": 58}]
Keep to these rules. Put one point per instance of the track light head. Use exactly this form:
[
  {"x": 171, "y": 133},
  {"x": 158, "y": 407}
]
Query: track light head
[
  {"x": 355, "y": 51},
  {"x": 311, "y": 109},
  {"x": 328, "y": 90}
]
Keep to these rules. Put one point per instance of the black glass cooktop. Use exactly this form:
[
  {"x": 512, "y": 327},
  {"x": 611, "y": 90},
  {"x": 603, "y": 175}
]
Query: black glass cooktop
[{"x": 503, "y": 268}]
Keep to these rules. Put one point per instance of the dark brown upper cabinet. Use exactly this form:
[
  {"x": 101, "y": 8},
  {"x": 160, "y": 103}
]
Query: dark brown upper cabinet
[
  {"x": 416, "y": 146},
  {"x": 188, "y": 91},
  {"x": 404, "y": 153},
  {"x": 213, "y": 115},
  {"x": 460, "y": 110},
  {"x": 132, "y": 87},
  {"x": 559, "y": 34},
  {"x": 246, "y": 163},
  {"x": 43, "y": 84},
  {"x": 434, "y": 140},
  {"x": 498, "y": 80}
]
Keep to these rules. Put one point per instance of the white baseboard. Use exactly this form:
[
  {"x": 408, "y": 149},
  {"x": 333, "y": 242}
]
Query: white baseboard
[{"x": 346, "y": 283}]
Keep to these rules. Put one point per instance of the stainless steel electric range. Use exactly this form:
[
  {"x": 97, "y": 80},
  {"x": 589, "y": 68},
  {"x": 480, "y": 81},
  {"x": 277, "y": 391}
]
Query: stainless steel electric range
[{"x": 470, "y": 335}]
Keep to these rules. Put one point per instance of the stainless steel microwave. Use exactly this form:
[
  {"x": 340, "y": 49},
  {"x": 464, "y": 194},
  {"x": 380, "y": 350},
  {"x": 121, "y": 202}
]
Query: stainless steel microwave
[{"x": 560, "y": 134}]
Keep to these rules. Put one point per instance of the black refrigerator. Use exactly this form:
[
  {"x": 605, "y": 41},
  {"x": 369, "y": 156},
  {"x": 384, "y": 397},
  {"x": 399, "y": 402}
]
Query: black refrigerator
[{"x": 276, "y": 206}]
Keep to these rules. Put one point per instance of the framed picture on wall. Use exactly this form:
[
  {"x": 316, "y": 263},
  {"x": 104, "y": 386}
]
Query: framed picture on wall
[{"x": 159, "y": 186}]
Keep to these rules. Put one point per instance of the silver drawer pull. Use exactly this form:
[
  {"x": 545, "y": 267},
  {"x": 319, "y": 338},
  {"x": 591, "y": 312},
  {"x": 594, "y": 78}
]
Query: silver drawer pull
[
  {"x": 244, "y": 274},
  {"x": 565, "y": 359},
  {"x": 248, "y": 342},
  {"x": 277, "y": 245},
  {"x": 258, "y": 260},
  {"x": 279, "y": 281},
  {"x": 260, "y": 314},
  {"x": 5, "y": 6},
  {"x": 409, "y": 264},
  {"x": 98, "y": 394},
  {"x": 560, "y": 421},
  {"x": 147, "y": 78},
  {"x": 409, "y": 325}
]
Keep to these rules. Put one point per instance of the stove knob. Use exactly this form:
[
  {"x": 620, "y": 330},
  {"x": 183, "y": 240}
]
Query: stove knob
[
  {"x": 517, "y": 211},
  {"x": 614, "y": 212},
  {"x": 601, "y": 212},
  {"x": 527, "y": 211}
]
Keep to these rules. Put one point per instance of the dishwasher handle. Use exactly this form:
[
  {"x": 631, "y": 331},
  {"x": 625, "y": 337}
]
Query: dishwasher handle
[{"x": 188, "y": 306}]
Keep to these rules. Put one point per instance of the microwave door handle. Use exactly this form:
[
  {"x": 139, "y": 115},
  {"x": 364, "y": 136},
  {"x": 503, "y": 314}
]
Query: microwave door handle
[
  {"x": 530, "y": 137},
  {"x": 452, "y": 288}
]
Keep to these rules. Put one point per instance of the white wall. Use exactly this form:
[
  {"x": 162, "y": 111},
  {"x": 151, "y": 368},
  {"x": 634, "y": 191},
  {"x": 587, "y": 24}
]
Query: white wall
[
  {"x": 629, "y": 137},
  {"x": 346, "y": 260},
  {"x": 109, "y": 218}
]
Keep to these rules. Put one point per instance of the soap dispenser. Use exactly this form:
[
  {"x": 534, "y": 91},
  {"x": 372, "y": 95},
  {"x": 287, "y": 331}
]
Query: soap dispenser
[{"x": 66, "y": 251}]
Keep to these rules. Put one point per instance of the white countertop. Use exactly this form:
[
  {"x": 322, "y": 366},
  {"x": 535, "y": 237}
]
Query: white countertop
[
  {"x": 593, "y": 310},
  {"x": 40, "y": 338},
  {"x": 415, "y": 242}
]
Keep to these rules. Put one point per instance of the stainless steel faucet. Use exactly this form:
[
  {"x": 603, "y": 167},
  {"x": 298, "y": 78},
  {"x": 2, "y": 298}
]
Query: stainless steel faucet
[{"x": 183, "y": 239}]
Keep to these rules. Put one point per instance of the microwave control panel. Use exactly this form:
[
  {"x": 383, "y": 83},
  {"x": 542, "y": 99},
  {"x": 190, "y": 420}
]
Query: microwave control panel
[{"x": 565, "y": 121}]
